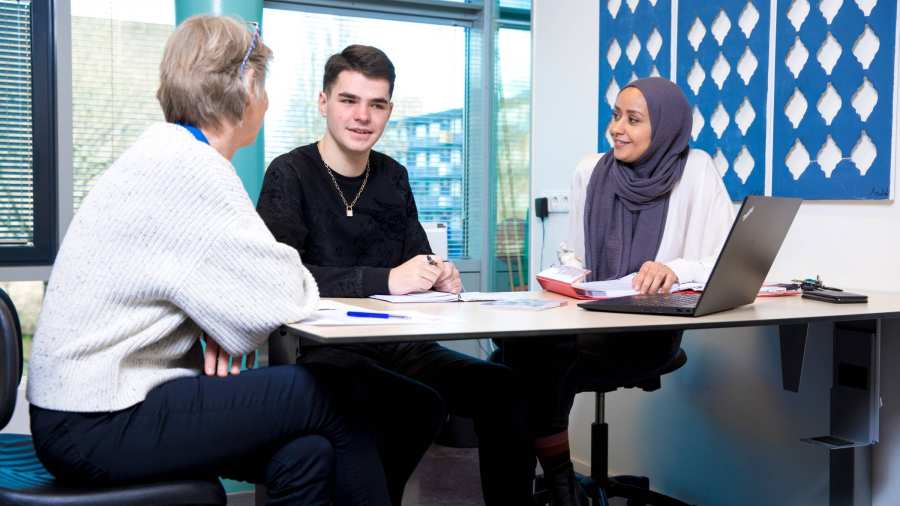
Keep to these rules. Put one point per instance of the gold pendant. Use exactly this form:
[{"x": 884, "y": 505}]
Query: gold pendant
[{"x": 349, "y": 212}]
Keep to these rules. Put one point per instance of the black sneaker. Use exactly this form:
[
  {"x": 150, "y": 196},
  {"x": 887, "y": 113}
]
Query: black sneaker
[{"x": 564, "y": 488}]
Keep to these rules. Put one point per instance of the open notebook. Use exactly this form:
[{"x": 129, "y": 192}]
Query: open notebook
[{"x": 433, "y": 296}]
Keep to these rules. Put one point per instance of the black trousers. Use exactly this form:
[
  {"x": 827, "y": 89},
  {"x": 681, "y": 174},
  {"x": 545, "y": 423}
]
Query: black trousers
[
  {"x": 555, "y": 368},
  {"x": 274, "y": 426},
  {"x": 404, "y": 391}
]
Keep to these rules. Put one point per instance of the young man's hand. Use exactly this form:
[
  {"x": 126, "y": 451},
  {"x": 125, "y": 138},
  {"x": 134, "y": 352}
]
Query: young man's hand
[
  {"x": 215, "y": 360},
  {"x": 449, "y": 280},
  {"x": 654, "y": 277},
  {"x": 417, "y": 274}
]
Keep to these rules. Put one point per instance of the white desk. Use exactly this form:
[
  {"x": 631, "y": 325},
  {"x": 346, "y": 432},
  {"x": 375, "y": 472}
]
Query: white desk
[
  {"x": 471, "y": 320},
  {"x": 857, "y": 329}
]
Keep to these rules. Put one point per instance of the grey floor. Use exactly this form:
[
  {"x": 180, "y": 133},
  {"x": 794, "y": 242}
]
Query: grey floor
[
  {"x": 449, "y": 477},
  {"x": 445, "y": 477}
]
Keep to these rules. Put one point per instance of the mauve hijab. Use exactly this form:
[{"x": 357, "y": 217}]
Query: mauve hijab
[{"x": 626, "y": 204}]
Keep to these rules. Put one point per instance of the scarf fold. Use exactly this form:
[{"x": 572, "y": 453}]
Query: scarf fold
[{"x": 627, "y": 203}]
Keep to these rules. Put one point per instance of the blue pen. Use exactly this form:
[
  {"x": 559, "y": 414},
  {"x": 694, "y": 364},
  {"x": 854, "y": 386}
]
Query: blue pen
[{"x": 363, "y": 314}]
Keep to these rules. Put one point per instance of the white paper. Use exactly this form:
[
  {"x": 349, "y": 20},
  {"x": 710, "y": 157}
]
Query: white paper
[
  {"x": 621, "y": 287},
  {"x": 488, "y": 296},
  {"x": 564, "y": 273},
  {"x": 610, "y": 288},
  {"x": 335, "y": 313},
  {"x": 525, "y": 304}
]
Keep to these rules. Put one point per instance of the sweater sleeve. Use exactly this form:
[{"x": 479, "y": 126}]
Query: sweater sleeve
[
  {"x": 708, "y": 231},
  {"x": 574, "y": 249},
  {"x": 280, "y": 207},
  {"x": 246, "y": 286}
]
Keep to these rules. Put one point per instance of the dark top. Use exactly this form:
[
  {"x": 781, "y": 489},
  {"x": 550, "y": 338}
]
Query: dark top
[{"x": 348, "y": 256}]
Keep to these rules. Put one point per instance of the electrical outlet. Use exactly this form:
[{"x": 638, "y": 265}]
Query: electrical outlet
[{"x": 558, "y": 202}]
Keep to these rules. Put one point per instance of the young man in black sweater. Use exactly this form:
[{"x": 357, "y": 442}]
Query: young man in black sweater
[{"x": 351, "y": 214}]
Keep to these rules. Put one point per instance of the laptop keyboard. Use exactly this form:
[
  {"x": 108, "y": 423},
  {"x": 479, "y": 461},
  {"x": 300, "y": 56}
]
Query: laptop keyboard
[{"x": 686, "y": 300}]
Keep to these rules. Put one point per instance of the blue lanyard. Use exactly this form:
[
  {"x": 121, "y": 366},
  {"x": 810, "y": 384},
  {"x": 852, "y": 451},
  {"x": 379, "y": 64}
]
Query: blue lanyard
[{"x": 196, "y": 132}]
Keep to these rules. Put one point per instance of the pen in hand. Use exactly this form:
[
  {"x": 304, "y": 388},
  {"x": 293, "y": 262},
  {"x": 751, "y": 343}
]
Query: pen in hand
[{"x": 365, "y": 314}]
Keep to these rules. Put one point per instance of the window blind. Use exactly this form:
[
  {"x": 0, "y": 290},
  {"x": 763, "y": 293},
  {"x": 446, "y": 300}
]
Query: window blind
[
  {"x": 116, "y": 50},
  {"x": 516, "y": 4},
  {"x": 17, "y": 200}
]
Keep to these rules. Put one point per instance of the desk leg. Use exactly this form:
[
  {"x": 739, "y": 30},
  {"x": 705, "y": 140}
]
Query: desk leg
[
  {"x": 850, "y": 476},
  {"x": 855, "y": 391},
  {"x": 855, "y": 406},
  {"x": 793, "y": 344}
]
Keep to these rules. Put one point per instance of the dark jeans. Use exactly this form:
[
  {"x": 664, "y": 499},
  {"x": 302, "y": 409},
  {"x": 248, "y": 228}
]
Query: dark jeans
[
  {"x": 555, "y": 368},
  {"x": 405, "y": 391},
  {"x": 273, "y": 425}
]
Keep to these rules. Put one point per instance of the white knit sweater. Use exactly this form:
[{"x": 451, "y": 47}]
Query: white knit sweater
[{"x": 166, "y": 244}]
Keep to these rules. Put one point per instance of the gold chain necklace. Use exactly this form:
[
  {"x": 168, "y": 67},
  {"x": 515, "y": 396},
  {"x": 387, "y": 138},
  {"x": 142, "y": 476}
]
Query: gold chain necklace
[{"x": 349, "y": 207}]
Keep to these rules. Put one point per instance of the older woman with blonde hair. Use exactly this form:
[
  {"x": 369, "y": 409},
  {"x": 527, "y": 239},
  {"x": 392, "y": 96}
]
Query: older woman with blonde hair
[{"x": 166, "y": 248}]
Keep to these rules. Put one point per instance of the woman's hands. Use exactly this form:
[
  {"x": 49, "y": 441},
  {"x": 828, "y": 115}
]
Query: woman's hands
[
  {"x": 654, "y": 277},
  {"x": 215, "y": 360}
]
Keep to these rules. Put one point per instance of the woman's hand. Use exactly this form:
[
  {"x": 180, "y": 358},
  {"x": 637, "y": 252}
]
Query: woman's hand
[
  {"x": 654, "y": 277},
  {"x": 215, "y": 360}
]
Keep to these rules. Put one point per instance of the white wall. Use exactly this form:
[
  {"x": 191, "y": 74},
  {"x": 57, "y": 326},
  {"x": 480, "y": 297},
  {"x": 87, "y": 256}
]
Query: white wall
[{"x": 721, "y": 431}]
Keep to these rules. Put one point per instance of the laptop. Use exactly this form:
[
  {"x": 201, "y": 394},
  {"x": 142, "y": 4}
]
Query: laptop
[{"x": 750, "y": 248}]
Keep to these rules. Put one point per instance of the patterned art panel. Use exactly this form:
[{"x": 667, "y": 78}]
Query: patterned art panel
[
  {"x": 834, "y": 87},
  {"x": 832, "y": 113},
  {"x": 634, "y": 43},
  {"x": 722, "y": 69}
]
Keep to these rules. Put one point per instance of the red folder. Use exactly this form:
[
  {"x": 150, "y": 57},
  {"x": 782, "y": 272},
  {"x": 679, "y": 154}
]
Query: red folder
[{"x": 562, "y": 288}]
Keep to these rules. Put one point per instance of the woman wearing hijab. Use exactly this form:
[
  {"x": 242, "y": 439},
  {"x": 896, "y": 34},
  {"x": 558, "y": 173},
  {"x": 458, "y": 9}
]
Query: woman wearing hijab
[
  {"x": 167, "y": 247},
  {"x": 651, "y": 206}
]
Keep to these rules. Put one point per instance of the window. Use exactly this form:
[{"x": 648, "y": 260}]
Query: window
[
  {"x": 516, "y": 4},
  {"x": 27, "y": 133},
  {"x": 463, "y": 139},
  {"x": 116, "y": 50},
  {"x": 429, "y": 100},
  {"x": 27, "y": 296},
  {"x": 512, "y": 129}
]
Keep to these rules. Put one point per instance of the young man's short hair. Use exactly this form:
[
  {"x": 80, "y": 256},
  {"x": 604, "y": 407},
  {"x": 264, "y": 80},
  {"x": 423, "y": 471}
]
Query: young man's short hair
[{"x": 367, "y": 60}]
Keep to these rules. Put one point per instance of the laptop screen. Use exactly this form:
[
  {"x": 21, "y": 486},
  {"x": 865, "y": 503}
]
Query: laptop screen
[{"x": 756, "y": 236}]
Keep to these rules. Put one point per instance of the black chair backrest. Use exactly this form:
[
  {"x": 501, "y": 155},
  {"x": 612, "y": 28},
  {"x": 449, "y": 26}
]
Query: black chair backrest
[{"x": 10, "y": 357}]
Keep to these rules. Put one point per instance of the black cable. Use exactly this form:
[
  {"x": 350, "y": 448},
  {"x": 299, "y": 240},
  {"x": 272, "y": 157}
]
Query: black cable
[{"x": 543, "y": 236}]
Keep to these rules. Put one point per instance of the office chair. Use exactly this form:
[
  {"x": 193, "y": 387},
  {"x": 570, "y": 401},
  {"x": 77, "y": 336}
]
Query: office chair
[
  {"x": 599, "y": 486},
  {"x": 25, "y": 482}
]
